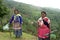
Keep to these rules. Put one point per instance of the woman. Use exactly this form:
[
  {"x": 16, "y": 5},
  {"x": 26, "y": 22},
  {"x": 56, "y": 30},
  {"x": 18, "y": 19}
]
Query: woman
[
  {"x": 43, "y": 27},
  {"x": 16, "y": 20}
]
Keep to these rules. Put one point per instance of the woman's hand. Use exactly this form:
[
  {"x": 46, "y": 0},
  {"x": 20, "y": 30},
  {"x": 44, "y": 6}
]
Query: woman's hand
[{"x": 40, "y": 23}]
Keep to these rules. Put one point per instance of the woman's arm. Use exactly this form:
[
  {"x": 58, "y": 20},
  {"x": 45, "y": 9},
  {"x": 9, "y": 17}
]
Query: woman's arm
[{"x": 12, "y": 18}]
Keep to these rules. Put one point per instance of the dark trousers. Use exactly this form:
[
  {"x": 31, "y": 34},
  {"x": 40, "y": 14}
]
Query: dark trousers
[
  {"x": 18, "y": 33},
  {"x": 45, "y": 38}
]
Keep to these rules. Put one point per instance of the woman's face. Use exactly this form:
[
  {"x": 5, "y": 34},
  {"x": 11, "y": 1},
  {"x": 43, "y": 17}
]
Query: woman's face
[
  {"x": 16, "y": 12},
  {"x": 43, "y": 15}
]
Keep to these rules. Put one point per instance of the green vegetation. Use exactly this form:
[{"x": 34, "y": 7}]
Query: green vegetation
[
  {"x": 3, "y": 12},
  {"x": 30, "y": 16},
  {"x": 25, "y": 36}
]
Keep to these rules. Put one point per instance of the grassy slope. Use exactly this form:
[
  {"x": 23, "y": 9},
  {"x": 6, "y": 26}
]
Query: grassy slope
[{"x": 25, "y": 36}]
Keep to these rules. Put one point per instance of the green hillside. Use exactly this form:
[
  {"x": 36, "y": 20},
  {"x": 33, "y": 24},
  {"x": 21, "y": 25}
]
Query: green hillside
[
  {"x": 31, "y": 14},
  {"x": 25, "y": 36}
]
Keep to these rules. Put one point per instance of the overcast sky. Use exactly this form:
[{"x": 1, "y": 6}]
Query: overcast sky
[{"x": 42, "y": 3}]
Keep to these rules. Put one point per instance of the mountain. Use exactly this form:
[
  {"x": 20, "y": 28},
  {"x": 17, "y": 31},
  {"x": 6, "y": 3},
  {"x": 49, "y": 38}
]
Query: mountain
[{"x": 31, "y": 14}]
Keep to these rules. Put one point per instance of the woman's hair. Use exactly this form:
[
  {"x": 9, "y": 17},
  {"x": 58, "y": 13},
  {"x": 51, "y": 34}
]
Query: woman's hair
[
  {"x": 43, "y": 12},
  {"x": 16, "y": 10}
]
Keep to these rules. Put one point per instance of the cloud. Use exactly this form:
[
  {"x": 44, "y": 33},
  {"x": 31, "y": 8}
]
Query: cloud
[{"x": 42, "y": 3}]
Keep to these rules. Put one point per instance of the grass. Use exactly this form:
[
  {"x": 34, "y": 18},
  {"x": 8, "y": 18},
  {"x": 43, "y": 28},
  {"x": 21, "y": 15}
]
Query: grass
[{"x": 25, "y": 36}]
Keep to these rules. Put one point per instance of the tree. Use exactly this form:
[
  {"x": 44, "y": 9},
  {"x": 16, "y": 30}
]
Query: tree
[{"x": 3, "y": 10}]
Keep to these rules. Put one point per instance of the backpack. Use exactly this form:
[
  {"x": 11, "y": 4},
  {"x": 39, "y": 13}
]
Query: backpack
[{"x": 16, "y": 17}]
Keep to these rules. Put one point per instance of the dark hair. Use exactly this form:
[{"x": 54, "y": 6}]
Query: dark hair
[
  {"x": 43, "y": 12},
  {"x": 16, "y": 10}
]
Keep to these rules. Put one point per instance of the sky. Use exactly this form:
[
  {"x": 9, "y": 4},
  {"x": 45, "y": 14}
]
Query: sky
[{"x": 42, "y": 3}]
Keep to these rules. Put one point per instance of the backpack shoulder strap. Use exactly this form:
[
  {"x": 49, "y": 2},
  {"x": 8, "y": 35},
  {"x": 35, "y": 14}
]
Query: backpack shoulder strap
[{"x": 46, "y": 23}]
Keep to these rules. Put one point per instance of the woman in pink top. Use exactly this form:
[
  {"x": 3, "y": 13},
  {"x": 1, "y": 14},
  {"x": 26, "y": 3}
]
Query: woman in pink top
[{"x": 43, "y": 27}]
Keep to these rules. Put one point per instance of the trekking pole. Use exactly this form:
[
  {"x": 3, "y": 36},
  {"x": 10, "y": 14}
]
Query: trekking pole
[{"x": 10, "y": 31}]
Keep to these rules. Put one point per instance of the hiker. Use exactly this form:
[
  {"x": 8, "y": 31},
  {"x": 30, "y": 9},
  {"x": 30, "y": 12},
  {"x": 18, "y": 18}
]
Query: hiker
[
  {"x": 16, "y": 20},
  {"x": 43, "y": 27}
]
